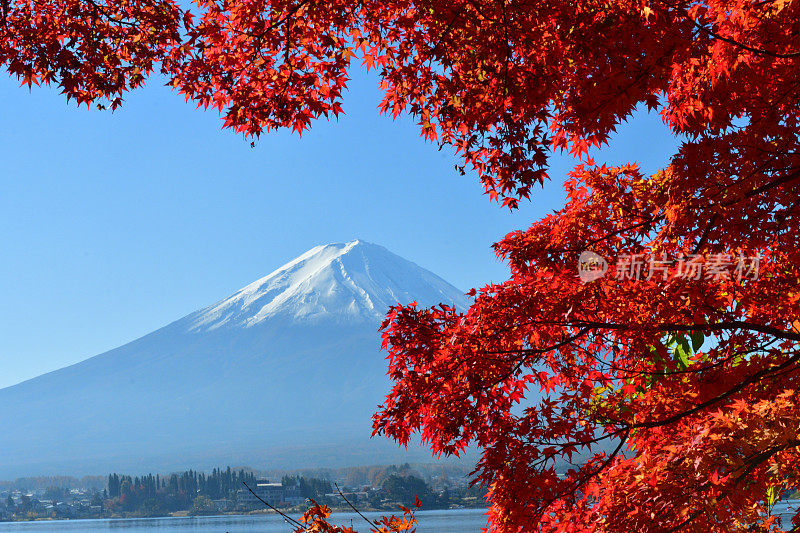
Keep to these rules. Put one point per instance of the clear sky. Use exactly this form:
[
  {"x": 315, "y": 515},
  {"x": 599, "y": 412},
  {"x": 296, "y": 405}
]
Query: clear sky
[{"x": 113, "y": 225}]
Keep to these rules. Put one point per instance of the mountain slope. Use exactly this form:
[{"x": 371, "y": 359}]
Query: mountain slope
[{"x": 284, "y": 373}]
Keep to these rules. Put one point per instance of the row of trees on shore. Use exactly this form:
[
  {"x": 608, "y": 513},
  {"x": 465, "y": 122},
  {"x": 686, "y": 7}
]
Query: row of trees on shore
[
  {"x": 218, "y": 484},
  {"x": 223, "y": 491}
]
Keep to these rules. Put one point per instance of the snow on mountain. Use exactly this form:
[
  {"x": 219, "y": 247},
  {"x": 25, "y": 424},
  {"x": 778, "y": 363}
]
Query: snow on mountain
[
  {"x": 356, "y": 280},
  {"x": 284, "y": 373}
]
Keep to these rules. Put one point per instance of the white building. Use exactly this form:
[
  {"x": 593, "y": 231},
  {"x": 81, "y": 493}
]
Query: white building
[{"x": 274, "y": 494}]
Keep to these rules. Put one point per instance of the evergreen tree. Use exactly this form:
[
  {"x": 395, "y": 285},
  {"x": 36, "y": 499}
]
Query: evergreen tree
[{"x": 113, "y": 486}]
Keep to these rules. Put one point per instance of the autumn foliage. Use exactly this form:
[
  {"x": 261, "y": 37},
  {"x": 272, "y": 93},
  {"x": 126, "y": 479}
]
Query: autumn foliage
[
  {"x": 316, "y": 519},
  {"x": 661, "y": 401}
]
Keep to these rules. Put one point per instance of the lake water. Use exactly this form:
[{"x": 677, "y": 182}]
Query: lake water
[{"x": 452, "y": 521}]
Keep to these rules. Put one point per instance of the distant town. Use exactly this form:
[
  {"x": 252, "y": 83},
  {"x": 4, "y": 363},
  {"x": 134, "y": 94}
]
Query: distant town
[{"x": 236, "y": 491}]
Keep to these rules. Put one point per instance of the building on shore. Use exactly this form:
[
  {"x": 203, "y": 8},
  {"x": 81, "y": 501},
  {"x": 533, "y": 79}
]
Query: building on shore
[{"x": 275, "y": 494}]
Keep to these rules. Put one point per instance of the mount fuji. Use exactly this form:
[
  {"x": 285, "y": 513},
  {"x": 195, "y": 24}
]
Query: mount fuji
[{"x": 284, "y": 373}]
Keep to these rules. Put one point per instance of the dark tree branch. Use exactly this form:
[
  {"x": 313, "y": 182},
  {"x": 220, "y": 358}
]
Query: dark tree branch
[
  {"x": 714, "y": 326},
  {"x": 106, "y": 14},
  {"x": 288, "y": 519},
  {"x": 353, "y": 507},
  {"x": 754, "y": 378},
  {"x": 738, "y": 44}
]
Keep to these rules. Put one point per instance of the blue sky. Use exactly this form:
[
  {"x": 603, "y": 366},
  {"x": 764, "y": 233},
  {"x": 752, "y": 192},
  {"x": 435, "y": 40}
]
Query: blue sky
[{"x": 114, "y": 225}]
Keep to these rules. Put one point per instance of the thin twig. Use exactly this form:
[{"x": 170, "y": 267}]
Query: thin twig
[
  {"x": 110, "y": 17},
  {"x": 288, "y": 519},
  {"x": 738, "y": 44},
  {"x": 353, "y": 507}
]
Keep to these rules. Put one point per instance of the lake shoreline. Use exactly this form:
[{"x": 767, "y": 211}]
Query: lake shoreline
[
  {"x": 294, "y": 512},
  {"x": 429, "y": 521}
]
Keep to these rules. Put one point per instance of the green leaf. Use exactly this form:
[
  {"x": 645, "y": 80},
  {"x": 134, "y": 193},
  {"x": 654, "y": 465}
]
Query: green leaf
[
  {"x": 697, "y": 340},
  {"x": 683, "y": 352},
  {"x": 772, "y": 495}
]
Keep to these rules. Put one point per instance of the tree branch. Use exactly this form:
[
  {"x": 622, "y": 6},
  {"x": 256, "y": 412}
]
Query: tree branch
[{"x": 288, "y": 519}]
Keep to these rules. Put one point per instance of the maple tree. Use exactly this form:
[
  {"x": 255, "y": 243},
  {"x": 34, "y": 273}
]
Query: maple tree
[
  {"x": 316, "y": 520},
  {"x": 660, "y": 402}
]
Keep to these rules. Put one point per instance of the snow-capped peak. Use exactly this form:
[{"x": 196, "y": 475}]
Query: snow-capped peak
[{"x": 340, "y": 281}]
